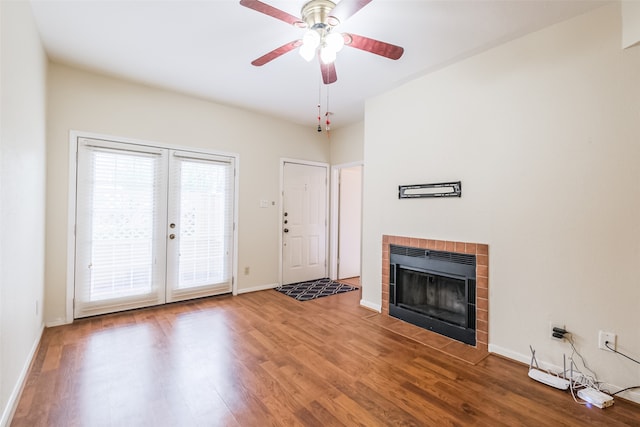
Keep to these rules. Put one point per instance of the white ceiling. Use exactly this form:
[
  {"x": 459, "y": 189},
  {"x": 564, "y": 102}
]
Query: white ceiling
[{"x": 204, "y": 48}]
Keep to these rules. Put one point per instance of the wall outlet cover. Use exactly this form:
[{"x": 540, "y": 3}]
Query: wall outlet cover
[{"x": 604, "y": 337}]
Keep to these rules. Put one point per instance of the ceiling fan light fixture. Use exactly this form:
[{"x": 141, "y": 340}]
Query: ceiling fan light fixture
[
  {"x": 327, "y": 55},
  {"x": 311, "y": 39},
  {"x": 307, "y": 52},
  {"x": 320, "y": 17},
  {"x": 335, "y": 41}
]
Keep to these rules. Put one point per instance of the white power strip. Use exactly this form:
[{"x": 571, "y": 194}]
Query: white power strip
[
  {"x": 595, "y": 397},
  {"x": 548, "y": 379}
]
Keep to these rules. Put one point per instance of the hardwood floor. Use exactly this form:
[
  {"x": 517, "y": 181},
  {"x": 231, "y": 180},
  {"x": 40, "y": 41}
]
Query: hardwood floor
[
  {"x": 264, "y": 359},
  {"x": 353, "y": 281}
]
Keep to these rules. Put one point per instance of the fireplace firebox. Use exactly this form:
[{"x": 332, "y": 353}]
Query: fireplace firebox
[{"x": 435, "y": 290}]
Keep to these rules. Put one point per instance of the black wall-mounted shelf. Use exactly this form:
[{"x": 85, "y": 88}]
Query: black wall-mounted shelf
[{"x": 440, "y": 189}]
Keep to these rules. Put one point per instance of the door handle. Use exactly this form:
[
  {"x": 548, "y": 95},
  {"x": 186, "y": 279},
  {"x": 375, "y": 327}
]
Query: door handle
[{"x": 286, "y": 230}]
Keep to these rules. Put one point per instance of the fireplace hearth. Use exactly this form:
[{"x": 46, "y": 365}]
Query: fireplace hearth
[{"x": 463, "y": 303}]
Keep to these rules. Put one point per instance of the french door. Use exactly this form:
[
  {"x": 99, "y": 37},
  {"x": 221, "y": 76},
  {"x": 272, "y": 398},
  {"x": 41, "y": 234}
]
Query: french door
[{"x": 153, "y": 225}]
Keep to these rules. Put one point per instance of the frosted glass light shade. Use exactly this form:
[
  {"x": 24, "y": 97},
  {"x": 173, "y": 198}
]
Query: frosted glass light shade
[
  {"x": 311, "y": 38},
  {"x": 307, "y": 52},
  {"x": 335, "y": 41},
  {"x": 327, "y": 55}
]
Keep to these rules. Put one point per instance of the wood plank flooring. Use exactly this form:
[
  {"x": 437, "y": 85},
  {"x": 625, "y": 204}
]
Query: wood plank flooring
[{"x": 264, "y": 359}]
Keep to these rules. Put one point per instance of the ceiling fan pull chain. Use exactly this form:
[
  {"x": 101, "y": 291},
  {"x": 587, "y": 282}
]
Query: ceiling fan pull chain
[
  {"x": 319, "y": 108},
  {"x": 327, "y": 122}
]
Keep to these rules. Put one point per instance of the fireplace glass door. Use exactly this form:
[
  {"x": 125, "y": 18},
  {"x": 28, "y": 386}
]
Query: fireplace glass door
[{"x": 439, "y": 297}]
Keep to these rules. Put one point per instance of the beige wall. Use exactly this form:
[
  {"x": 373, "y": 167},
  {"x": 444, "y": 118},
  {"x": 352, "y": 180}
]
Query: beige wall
[
  {"x": 22, "y": 197},
  {"x": 544, "y": 134},
  {"x": 347, "y": 144},
  {"x": 630, "y": 23},
  {"x": 84, "y": 101}
]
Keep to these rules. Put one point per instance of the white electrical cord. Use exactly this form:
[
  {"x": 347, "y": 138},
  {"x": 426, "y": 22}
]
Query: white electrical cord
[
  {"x": 588, "y": 380},
  {"x": 585, "y": 380}
]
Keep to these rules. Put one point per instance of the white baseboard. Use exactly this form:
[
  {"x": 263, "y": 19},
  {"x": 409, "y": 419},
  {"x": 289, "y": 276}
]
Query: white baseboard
[
  {"x": 631, "y": 395},
  {"x": 57, "y": 322},
  {"x": 371, "y": 306},
  {"x": 258, "y": 288},
  {"x": 524, "y": 358},
  {"x": 628, "y": 395},
  {"x": 12, "y": 403},
  {"x": 513, "y": 355}
]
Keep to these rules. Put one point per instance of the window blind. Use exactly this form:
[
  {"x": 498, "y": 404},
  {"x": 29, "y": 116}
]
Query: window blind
[
  {"x": 202, "y": 190},
  {"x": 119, "y": 218}
]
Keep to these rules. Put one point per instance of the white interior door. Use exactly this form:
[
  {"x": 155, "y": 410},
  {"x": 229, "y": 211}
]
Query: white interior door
[
  {"x": 153, "y": 225},
  {"x": 304, "y": 222},
  {"x": 349, "y": 222}
]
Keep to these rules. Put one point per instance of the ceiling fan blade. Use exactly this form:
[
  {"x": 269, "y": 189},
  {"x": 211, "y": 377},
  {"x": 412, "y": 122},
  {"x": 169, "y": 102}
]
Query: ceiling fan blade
[
  {"x": 346, "y": 9},
  {"x": 387, "y": 50},
  {"x": 273, "y": 12},
  {"x": 328, "y": 73},
  {"x": 275, "y": 53}
]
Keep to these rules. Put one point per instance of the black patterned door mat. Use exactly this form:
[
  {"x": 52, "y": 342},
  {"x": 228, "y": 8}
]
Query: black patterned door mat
[{"x": 305, "y": 291}]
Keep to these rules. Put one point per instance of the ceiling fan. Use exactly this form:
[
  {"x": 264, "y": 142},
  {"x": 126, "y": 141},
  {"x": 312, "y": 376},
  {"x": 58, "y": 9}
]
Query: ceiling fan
[{"x": 320, "y": 17}]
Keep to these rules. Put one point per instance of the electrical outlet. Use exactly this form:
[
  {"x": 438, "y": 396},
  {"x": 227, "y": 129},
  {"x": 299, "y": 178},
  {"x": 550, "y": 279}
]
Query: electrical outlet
[
  {"x": 606, "y": 337},
  {"x": 555, "y": 325}
]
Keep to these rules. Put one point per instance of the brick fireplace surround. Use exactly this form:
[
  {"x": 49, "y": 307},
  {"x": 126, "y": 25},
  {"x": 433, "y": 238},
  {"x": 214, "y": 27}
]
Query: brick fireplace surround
[{"x": 481, "y": 251}]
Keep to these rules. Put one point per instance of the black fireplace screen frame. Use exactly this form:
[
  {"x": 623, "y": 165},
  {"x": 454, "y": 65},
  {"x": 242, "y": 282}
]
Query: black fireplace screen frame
[{"x": 438, "y": 263}]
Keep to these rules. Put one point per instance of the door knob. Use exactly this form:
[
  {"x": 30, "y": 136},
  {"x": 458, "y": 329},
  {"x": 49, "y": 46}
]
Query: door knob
[
  {"x": 286, "y": 230},
  {"x": 172, "y": 236}
]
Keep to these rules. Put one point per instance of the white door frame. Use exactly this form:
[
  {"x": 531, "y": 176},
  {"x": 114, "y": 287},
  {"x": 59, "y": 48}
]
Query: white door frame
[
  {"x": 334, "y": 218},
  {"x": 281, "y": 210},
  {"x": 74, "y": 135}
]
